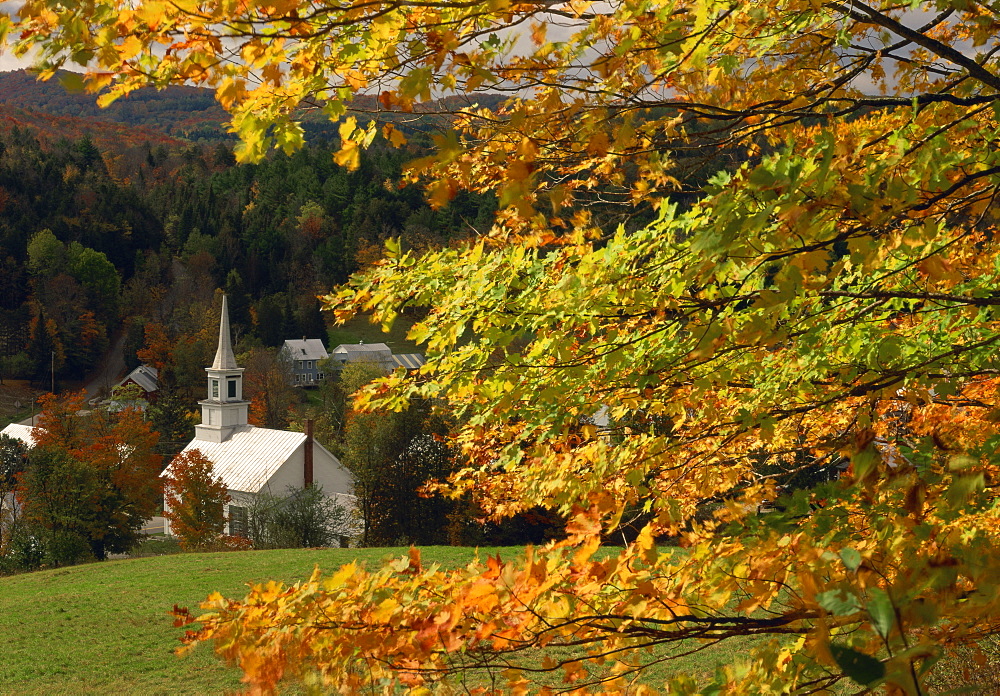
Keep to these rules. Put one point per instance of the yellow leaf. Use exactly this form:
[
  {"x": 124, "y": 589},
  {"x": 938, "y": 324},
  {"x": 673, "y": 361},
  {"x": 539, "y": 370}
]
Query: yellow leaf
[
  {"x": 130, "y": 46},
  {"x": 348, "y": 156},
  {"x": 393, "y": 135},
  {"x": 598, "y": 144},
  {"x": 385, "y": 610}
]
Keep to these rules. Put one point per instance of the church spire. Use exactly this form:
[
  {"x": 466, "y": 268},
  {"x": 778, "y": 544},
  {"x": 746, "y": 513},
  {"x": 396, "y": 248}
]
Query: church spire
[
  {"x": 224, "y": 358},
  {"x": 224, "y": 410}
]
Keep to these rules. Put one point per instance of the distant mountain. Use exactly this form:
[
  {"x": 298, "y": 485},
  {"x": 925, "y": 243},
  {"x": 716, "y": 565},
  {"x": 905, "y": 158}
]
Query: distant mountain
[
  {"x": 107, "y": 136},
  {"x": 188, "y": 113},
  {"x": 180, "y": 112}
]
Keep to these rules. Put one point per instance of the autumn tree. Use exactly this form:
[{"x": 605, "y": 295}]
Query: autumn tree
[
  {"x": 391, "y": 456},
  {"x": 828, "y": 290},
  {"x": 92, "y": 476},
  {"x": 266, "y": 384},
  {"x": 194, "y": 500}
]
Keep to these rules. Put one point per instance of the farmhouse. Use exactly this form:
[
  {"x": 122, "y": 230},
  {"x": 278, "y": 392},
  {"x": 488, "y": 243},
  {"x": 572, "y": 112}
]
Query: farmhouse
[
  {"x": 304, "y": 357},
  {"x": 145, "y": 377},
  {"x": 142, "y": 386},
  {"x": 251, "y": 459},
  {"x": 378, "y": 353}
]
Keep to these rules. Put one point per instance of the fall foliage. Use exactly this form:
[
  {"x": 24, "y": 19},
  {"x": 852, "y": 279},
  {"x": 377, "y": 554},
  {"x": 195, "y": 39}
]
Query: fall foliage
[
  {"x": 823, "y": 295},
  {"x": 194, "y": 500},
  {"x": 92, "y": 475}
]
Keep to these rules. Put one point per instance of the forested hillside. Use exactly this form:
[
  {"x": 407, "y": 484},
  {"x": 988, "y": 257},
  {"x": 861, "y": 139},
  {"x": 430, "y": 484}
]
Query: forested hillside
[
  {"x": 100, "y": 235},
  {"x": 189, "y": 113},
  {"x": 186, "y": 112}
]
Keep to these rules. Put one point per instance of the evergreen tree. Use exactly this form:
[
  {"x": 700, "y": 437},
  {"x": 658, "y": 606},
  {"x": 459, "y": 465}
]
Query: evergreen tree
[{"x": 313, "y": 325}]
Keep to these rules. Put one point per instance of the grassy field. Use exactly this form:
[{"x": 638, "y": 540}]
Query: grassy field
[
  {"x": 361, "y": 329},
  {"x": 103, "y": 628}
]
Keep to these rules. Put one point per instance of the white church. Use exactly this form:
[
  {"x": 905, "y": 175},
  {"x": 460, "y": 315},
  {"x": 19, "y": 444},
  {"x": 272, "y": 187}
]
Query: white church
[{"x": 251, "y": 459}]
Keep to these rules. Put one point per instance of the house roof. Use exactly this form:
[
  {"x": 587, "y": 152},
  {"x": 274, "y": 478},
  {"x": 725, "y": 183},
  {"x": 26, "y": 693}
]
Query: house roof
[
  {"x": 249, "y": 457},
  {"x": 411, "y": 361},
  {"x": 145, "y": 376},
  {"x": 19, "y": 432},
  {"x": 305, "y": 349},
  {"x": 359, "y": 351}
]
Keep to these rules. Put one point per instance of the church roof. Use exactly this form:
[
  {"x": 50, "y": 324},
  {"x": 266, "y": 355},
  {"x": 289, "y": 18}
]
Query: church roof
[
  {"x": 249, "y": 457},
  {"x": 305, "y": 349},
  {"x": 224, "y": 358},
  {"x": 19, "y": 432}
]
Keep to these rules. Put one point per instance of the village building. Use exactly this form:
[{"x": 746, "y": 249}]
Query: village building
[
  {"x": 303, "y": 358},
  {"x": 146, "y": 377},
  {"x": 19, "y": 432},
  {"x": 144, "y": 383},
  {"x": 250, "y": 459},
  {"x": 377, "y": 353}
]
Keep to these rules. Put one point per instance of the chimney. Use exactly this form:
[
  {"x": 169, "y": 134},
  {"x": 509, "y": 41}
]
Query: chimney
[{"x": 307, "y": 455}]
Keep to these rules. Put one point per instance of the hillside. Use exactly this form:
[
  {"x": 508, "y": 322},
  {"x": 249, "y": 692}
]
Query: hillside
[
  {"x": 180, "y": 112},
  {"x": 189, "y": 113},
  {"x": 108, "y": 136},
  {"x": 103, "y": 628}
]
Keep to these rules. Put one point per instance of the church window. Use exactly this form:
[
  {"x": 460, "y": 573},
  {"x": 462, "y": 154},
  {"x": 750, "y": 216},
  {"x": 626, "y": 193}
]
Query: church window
[
  {"x": 232, "y": 389},
  {"x": 215, "y": 389}
]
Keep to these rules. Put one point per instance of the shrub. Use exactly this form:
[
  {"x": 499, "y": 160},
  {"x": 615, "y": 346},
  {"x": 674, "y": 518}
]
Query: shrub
[{"x": 303, "y": 518}]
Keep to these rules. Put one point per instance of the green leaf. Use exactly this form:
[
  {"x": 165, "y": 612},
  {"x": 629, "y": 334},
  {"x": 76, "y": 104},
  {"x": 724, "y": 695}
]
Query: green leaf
[
  {"x": 851, "y": 558},
  {"x": 963, "y": 487},
  {"x": 838, "y": 602},
  {"x": 862, "y": 668},
  {"x": 881, "y": 611},
  {"x": 71, "y": 81}
]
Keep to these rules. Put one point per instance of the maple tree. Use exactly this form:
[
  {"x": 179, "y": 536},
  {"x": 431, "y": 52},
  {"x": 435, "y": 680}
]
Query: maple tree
[
  {"x": 827, "y": 295},
  {"x": 92, "y": 475},
  {"x": 194, "y": 500}
]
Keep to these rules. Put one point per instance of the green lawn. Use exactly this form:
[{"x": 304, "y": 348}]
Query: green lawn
[
  {"x": 103, "y": 628},
  {"x": 361, "y": 329}
]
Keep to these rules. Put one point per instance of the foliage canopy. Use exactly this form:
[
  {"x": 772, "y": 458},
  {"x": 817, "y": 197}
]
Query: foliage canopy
[
  {"x": 92, "y": 475},
  {"x": 195, "y": 500},
  {"x": 828, "y": 294}
]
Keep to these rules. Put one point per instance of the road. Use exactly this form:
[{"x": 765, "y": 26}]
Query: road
[{"x": 105, "y": 376}]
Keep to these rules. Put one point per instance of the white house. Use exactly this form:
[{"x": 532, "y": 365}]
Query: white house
[{"x": 251, "y": 459}]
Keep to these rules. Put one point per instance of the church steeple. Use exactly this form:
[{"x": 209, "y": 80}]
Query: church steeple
[
  {"x": 224, "y": 358},
  {"x": 224, "y": 410}
]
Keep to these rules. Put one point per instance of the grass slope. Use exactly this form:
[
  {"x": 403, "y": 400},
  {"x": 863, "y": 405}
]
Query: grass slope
[{"x": 103, "y": 628}]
